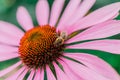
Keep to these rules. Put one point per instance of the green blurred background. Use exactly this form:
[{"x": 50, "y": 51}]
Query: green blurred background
[{"x": 8, "y": 13}]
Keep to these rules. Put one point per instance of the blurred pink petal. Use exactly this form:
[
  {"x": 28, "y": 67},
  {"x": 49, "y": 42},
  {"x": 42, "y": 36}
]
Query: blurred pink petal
[
  {"x": 50, "y": 75},
  {"x": 69, "y": 10},
  {"x": 16, "y": 74},
  {"x": 81, "y": 11},
  {"x": 84, "y": 71},
  {"x": 56, "y": 10},
  {"x": 42, "y": 12},
  {"x": 24, "y": 18},
  {"x": 8, "y": 56},
  {"x": 69, "y": 72},
  {"x": 22, "y": 76},
  {"x": 39, "y": 74},
  {"x": 103, "y": 45},
  {"x": 96, "y": 64},
  {"x": 98, "y": 16},
  {"x": 9, "y": 33},
  {"x": 10, "y": 29},
  {"x": 30, "y": 77},
  {"x": 8, "y": 40},
  {"x": 102, "y": 30},
  {"x": 7, "y": 70},
  {"x": 60, "y": 74},
  {"x": 4, "y": 49}
]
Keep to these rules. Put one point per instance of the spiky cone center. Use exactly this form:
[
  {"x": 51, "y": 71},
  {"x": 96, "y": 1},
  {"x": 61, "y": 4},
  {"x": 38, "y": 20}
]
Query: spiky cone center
[{"x": 37, "y": 47}]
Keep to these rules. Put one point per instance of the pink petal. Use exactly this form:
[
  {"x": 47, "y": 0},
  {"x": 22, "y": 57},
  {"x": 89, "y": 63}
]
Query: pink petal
[
  {"x": 8, "y": 56},
  {"x": 9, "y": 40},
  {"x": 8, "y": 52},
  {"x": 56, "y": 10},
  {"x": 60, "y": 74},
  {"x": 39, "y": 75},
  {"x": 96, "y": 17},
  {"x": 81, "y": 11},
  {"x": 96, "y": 64},
  {"x": 30, "y": 77},
  {"x": 102, "y": 30},
  {"x": 9, "y": 33},
  {"x": 107, "y": 45},
  {"x": 7, "y": 49},
  {"x": 71, "y": 7},
  {"x": 42, "y": 12},
  {"x": 16, "y": 75},
  {"x": 50, "y": 75},
  {"x": 10, "y": 29},
  {"x": 116, "y": 15},
  {"x": 5, "y": 71},
  {"x": 69, "y": 72},
  {"x": 24, "y": 18},
  {"x": 21, "y": 77},
  {"x": 42, "y": 75},
  {"x": 83, "y": 71}
]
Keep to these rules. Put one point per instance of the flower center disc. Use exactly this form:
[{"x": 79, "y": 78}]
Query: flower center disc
[{"x": 37, "y": 46}]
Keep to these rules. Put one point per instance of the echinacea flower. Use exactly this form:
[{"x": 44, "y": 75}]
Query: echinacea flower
[{"x": 41, "y": 48}]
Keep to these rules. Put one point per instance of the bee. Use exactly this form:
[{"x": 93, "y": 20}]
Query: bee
[{"x": 60, "y": 39}]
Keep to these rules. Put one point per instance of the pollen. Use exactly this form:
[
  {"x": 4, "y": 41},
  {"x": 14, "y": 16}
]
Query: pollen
[{"x": 37, "y": 47}]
